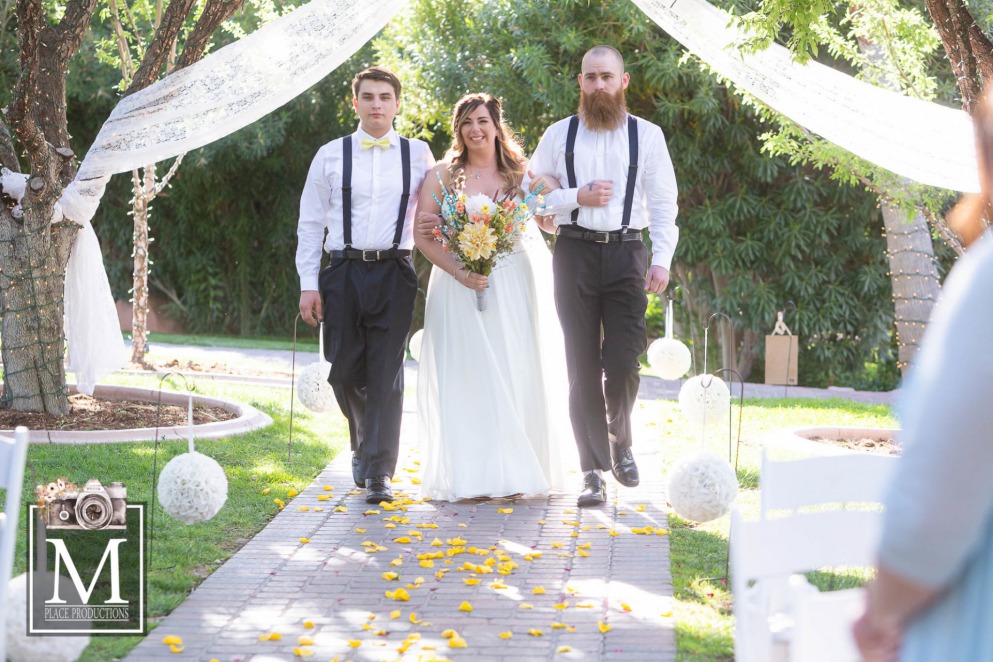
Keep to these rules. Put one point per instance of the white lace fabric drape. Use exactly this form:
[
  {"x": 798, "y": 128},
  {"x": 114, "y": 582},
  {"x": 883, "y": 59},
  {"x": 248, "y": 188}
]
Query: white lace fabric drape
[
  {"x": 244, "y": 81},
  {"x": 227, "y": 90},
  {"x": 922, "y": 141}
]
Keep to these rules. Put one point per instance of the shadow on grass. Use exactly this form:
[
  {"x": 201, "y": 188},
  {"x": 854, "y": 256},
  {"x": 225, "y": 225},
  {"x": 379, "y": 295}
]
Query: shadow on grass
[{"x": 841, "y": 404}]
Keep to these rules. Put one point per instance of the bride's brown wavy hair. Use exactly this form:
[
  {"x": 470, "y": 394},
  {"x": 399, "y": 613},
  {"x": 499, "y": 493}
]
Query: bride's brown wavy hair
[{"x": 511, "y": 162}]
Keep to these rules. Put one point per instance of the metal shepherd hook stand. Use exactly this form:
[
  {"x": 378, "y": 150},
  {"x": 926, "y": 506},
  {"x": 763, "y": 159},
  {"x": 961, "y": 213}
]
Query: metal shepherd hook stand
[{"x": 155, "y": 453}]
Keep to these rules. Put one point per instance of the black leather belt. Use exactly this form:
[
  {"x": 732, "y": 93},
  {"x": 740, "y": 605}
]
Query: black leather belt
[
  {"x": 370, "y": 255},
  {"x": 577, "y": 232}
]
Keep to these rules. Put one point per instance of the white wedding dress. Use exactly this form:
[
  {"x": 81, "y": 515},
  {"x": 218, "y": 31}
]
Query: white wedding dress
[{"x": 492, "y": 388}]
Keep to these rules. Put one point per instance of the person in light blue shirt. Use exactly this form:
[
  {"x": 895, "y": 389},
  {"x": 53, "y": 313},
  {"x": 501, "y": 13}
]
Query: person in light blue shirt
[{"x": 932, "y": 599}]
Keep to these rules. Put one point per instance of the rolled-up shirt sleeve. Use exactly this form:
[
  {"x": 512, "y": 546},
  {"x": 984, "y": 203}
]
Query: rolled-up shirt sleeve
[
  {"x": 315, "y": 213},
  {"x": 660, "y": 199},
  {"x": 940, "y": 500}
]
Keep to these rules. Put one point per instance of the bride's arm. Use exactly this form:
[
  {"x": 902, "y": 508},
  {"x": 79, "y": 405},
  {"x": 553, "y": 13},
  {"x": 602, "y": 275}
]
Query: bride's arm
[
  {"x": 428, "y": 217},
  {"x": 548, "y": 184}
]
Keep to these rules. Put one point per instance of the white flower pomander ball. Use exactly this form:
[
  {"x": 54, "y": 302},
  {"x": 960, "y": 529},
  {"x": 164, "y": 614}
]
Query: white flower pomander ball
[
  {"x": 313, "y": 389},
  {"x": 192, "y": 487},
  {"x": 704, "y": 399},
  {"x": 669, "y": 357},
  {"x": 701, "y": 486},
  {"x": 21, "y": 647},
  {"x": 414, "y": 346}
]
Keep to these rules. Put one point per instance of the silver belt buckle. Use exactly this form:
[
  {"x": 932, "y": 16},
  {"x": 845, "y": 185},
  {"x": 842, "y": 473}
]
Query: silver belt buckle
[
  {"x": 605, "y": 237},
  {"x": 370, "y": 256}
]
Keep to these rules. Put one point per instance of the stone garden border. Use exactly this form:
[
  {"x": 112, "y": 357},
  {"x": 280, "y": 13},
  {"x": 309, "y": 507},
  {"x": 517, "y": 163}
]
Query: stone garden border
[{"x": 248, "y": 418}]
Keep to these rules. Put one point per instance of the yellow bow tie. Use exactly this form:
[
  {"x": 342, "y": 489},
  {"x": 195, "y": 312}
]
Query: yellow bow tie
[{"x": 383, "y": 142}]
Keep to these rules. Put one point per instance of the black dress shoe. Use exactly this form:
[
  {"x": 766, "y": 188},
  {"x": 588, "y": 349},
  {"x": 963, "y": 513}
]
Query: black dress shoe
[
  {"x": 356, "y": 463},
  {"x": 594, "y": 491},
  {"x": 624, "y": 469},
  {"x": 378, "y": 489}
]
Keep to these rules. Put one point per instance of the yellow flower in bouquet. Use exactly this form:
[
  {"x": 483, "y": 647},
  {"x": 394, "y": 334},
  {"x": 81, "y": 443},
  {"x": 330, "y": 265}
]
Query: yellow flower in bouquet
[{"x": 477, "y": 241}]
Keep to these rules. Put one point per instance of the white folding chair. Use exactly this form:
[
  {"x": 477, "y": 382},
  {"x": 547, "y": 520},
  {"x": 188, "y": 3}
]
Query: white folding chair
[
  {"x": 13, "y": 454},
  {"x": 854, "y": 477},
  {"x": 784, "y": 617}
]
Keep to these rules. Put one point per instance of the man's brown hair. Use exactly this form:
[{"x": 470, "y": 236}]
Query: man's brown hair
[{"x": 375, "y": 73}]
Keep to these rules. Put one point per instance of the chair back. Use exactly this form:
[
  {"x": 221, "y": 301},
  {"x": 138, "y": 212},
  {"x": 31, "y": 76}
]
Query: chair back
[
  {"x": 855, "y": 477},
  {"x": 13, "y": 455}
]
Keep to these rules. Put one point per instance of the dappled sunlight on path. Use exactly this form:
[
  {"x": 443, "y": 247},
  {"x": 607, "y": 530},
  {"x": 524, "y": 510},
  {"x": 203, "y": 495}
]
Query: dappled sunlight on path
[{"x": 523, "y": 579}]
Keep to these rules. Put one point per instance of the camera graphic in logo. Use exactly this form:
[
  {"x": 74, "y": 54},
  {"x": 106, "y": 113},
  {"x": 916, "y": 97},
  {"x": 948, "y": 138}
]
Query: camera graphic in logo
[{"x": 92, "y": 507}]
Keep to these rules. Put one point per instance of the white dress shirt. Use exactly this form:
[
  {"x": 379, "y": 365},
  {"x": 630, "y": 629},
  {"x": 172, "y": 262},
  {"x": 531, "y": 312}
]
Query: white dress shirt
[
  {"x": 377, "y": 184},
  {"x": 604, "y": 155}
]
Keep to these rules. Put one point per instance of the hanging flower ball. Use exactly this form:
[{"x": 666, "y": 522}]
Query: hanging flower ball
[
  {"x": 701, "y": 486},
  {"x": 414, "y": 346},
  {"x": 313, "y": 389},
  {"x": 21, "y": 647},
  {"x": 704, "y": 399},
  {"x": 669, "y": 358},
  {"x": 192, "y": 487}
]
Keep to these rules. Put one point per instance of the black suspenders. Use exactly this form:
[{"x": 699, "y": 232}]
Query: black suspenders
[
  {"x": 570, "y": 165},
  {"x": 346, "y": 190}
]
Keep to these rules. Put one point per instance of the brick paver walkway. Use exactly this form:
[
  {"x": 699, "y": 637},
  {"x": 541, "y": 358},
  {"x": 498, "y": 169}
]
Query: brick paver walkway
[{"x": 607, "y": 590}]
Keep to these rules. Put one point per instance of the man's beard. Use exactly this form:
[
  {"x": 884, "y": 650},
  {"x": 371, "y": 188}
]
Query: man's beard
[{"x": 602, "y": 112}]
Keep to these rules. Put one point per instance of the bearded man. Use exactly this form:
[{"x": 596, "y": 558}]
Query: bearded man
[{"x": 617, "y": 180}]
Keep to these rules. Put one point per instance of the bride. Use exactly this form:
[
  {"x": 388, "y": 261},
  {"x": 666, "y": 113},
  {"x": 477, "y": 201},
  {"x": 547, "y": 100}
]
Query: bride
[{"x": 492, "y": 384}]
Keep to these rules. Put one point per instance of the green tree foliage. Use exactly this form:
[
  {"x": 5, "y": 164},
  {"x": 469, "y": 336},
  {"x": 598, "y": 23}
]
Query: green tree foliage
[{"x": 756, "y": 230}]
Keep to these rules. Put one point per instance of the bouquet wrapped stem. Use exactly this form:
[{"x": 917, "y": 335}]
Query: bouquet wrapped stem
[{"x": 479, "y": 230}]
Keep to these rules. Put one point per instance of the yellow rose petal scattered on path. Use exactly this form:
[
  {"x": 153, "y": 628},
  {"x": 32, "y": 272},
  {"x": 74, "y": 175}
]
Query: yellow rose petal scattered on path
[
  {"x": 506, "y": 635},
  {"x": 640, "y": 508},
  {"x": 613, "y": 533},
  {"x": 340, "y": 509},
  {"x": 390, "y": 576},
  {"x": 457, "y": 642},
  {"x": 266, "y": 491},
  {"x": 397, "y": 561},
  {"x": 661, "y": 532},
  {"x": 556, "y": 545},
  {"x": 272, "y": 636},
  {"x": 463, "y": 524},
  {"x": 448, "y": 634},
  {"x": 359, "y": 530},
  {"x": 498, "y": 585},
  {"x": 395, "y": 613},
  {"x": 354, "y": 643},
  {"x": 625, "y": 606},
  {"x": 525, "y": 605},
  {"x": 465, "y": 606},
  {"x": 558, "y": 626},
  {"x": 354, "y": 492},
  {"x": 604, "y": 628},
  {"x": 505, "y": 511},
  {"x": 303, "y": 509},
  {"x": 328, "y": 488},
  {"x": 323, "y": 497},
  {"x": 171, "y": 640},
  {"x": 302, "y": 651},
  {"x": 563, "y": 649},
  {"x": 538, "y": 590},
  {"x": 561, "y": 605},
  {"x": 427, "y": 564},
  {"x": 415, "y": 480},
  {"x": 586, "y": 604},
  {"x": 308, "y": 624},
  {"x": 318, "y": 509},
  {"x": 279, "y": 502},
  {"x": 541, "y": 521},
  {"x": 455, "y": 542},
  {"x": 535, "y": 632},
  {"x": 585, "y": 545},
  {"x": 471, "y": 581},
  {"x": 371, "y": 512},
  {"x": 304, "y": 540},
  {"x": 292, "y": 493},
  {"x": 666, "y": 614},
  {"x": 436, "y": 543},
  {"x": 176, "y": 649},
  {"x": 389, "y": 525},
  {"x": 582, "y": 552}
]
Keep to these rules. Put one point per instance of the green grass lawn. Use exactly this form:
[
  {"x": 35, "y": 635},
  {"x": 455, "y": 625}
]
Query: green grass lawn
[
  {"x": 703, "y": 609},
  {"x": 306, "y": 339},
  {"x": 185, "y": 555}
]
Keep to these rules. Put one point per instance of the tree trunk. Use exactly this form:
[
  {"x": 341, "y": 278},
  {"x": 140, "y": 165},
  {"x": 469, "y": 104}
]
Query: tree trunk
[
  {"x": 914, "y": 277},
  {"x": 909, "y": 248},
  {"x": 32, "y": 282},
  {"x": 144, "y": 190},
  {"x": 969, "y": 51}
]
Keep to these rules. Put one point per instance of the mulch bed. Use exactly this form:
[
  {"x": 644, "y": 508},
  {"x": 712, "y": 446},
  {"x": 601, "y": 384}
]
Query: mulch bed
[
  {"x": 868, "y": 445},
  {"x": 87, "y": 413}
]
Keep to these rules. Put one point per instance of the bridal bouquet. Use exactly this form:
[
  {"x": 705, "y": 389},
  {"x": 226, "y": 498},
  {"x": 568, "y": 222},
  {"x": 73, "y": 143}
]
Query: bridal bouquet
[{"x": 479, "y": 230}]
